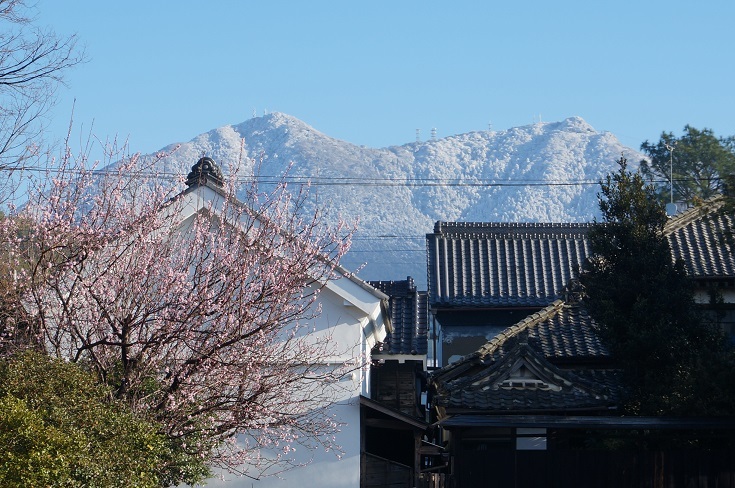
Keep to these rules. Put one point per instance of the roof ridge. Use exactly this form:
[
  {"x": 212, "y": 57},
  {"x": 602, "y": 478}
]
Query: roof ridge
[
  {"x": 512, "y": 331},
  {"x": 694, "y": 213},
  {"x": 443, "y": 227},
  {"x": 453, "y": 369}
]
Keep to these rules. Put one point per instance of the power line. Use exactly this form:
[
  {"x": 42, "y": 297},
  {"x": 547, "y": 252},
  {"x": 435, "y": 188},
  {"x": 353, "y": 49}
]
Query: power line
[
  {"x": 372, "y": 238},
  {"x": 383, "y": 250},
  {"x": 347, "y": 181}
]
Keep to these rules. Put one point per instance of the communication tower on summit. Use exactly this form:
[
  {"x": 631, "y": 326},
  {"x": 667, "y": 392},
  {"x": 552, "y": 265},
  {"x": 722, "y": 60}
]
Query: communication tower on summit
[
  {"x": 418, "y": 135},
  {"x": 433, "y": 134}
]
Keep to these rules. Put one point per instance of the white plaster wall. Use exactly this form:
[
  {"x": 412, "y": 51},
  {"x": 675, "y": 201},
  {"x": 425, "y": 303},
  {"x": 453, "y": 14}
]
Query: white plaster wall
[
  {"x": 347, "y": 324},
  {"x": 324, "y": 470},
  {"x": 350, "y": 317}
]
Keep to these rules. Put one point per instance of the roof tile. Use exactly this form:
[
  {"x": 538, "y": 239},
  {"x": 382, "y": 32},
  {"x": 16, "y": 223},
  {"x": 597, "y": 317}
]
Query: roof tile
[
  {"x": 553, "y": 339},
  {"x": 409, "y": 316},
  {"x": 509, "y": 264}
]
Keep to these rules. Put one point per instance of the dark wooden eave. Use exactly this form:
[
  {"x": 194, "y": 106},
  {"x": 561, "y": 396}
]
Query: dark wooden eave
[
  {"x": 587, "y": 422},
  {"x": 398, "y": 418}
]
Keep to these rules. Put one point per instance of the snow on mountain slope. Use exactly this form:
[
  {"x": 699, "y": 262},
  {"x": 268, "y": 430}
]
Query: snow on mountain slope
[{"x": 544, "y": 172}]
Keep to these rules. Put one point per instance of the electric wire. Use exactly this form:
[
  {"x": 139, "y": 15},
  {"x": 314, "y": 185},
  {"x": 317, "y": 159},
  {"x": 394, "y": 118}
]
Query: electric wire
[
  {"x": 348, "y": 181},
  {"x": 343, "y": 180}
]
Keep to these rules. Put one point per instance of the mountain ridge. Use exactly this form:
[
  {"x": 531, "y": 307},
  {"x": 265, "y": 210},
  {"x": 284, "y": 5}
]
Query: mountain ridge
[{"x": 542, "y": 172}]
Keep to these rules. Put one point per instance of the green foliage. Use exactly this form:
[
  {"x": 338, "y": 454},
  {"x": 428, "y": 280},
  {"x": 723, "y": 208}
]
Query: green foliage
[
  {"x": 33, "y": 453},
  {"x": 672, "y": 360},
  {"x": 58, "y": 427},
  {"x": 700, "y": 161}
]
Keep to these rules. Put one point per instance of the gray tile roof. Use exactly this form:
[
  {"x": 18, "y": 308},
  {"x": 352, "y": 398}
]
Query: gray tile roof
[
  {"x": 573, "y": 397},
  {"x": 560, "y": 342},
  {"x": 502, "y": 264},
  {"x": 702, "y": 238},
  {"x": 475, "y": 264},
  {"x": 494, "y": 265},
  {"x": 409, "y": 315},
  {"x": 560, "y": 332}
]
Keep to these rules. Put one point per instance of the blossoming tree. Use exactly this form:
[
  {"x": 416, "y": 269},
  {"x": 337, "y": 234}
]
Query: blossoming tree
[{"x": 196, "y": 308}]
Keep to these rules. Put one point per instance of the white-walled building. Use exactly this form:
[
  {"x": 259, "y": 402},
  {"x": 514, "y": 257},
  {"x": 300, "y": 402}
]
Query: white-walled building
[{"x": 353, "y": 317}]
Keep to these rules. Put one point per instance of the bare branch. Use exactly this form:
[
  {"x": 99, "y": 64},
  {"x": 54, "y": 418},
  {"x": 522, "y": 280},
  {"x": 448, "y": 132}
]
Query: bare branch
[{"x": 32, "y": 64}]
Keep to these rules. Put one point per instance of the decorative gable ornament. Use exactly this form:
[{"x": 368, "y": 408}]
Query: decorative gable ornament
[
  {"x": 522, "y": 369},
  {"x": 523, "y": 375},
  {"x": 205, "y": 171}
]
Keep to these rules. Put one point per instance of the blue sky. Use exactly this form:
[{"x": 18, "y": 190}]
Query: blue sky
[{"x": 373, "y": 72}]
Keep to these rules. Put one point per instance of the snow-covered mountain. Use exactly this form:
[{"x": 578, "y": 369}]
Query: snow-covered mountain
[{"x": 544, "y": 172}]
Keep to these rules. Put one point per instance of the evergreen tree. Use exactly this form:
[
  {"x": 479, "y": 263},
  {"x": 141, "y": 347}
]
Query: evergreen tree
[
  {"x": 644, "y": 306},
  {"x": 698, "y": 160},
  {"x": 58, "y": 427}
]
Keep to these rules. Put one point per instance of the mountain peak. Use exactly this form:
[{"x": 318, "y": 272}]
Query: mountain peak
[
  {"x": 574, "y": 124},
  {"x": 280, "y": 118},
  {"x": 276, "y": 123}
]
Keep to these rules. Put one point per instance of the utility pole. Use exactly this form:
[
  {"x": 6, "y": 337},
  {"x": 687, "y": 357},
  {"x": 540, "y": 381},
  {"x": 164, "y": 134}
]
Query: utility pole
[{"x": 671, "y": 206}]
